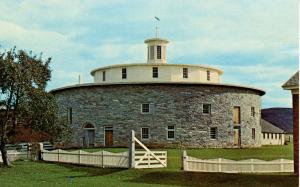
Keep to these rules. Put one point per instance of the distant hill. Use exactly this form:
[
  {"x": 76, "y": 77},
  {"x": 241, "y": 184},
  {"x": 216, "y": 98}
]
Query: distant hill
[{"x": 280, "y": 117}]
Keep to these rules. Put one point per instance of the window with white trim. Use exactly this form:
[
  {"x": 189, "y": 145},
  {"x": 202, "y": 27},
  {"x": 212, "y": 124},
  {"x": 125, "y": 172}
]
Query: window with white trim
[
  {"x": 145, "y": 108},
  {"x": 151, "y": 52},
  {"x": 124, "y": 73},
  {"x": 213, "y": 133},
  {"x": 185, "y": 73},
  {"x": 145, "y": 133},
  {"x": 155, "y": 72},
  {"x": 158, "y": 51},
  {"x": 208, "y": 75},
  {"x": 171, "y": 132},
  {"x": 206, "y": 108},
  {"x": 103, "y": 76}
]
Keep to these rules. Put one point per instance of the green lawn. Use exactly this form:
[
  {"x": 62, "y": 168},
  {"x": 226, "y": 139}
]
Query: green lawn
[{"x": 26, "y": 173}]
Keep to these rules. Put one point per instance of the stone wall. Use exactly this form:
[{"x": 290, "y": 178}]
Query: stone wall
[{"x": 119, "y": 106}]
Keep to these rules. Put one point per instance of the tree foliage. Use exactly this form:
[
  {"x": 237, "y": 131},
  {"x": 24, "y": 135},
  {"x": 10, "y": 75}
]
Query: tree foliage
[{"x": 23, "y": 96}]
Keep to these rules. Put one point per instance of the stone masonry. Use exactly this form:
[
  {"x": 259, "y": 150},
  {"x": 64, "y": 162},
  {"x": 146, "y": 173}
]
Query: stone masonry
[{"x": 119, "y": 106}]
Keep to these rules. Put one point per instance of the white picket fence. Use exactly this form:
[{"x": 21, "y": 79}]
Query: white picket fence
[
  {"x": 233, "y": 166},
  {"x": 15, "y": 155},
  {"x": 100, "y": 158}
]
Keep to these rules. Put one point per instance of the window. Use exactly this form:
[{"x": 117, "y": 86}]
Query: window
[
  {"x": 70, "y": 115},
  {"x": 124, "y": 73},
  {"x": 158, "y": 52},
  {"x": 208, "y": 75},
  {"x": 155, "y": 72},
  {"x": 145, "y": 108},
  {"x": 279, "y": 136},
  {"x": 206, "y": 109},
  {"x": 171, "y": 132},
  {"x": 213, "y": 133},
  {"x": 103, "y": 76},
  {"x": 264, "y": 134},
  {"x": 236, "y": 115},
  {"x": 151, "y": 52},
  {"x": 268, "y": 135},
  {"x": 272, "y": 135},
  {"x": 145, "y": 133},
  {"x": 252, "y": 111},
  {"x": 253, "y": 134},
  {"x": 275, "y": 136},
  {"x": 185, "y": 72}
]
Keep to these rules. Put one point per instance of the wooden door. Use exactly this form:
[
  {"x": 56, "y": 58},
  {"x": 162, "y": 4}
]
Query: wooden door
[
  {"x": 236, "y": 136},
  {"x": 108, "y": 138},
  {"x": 236, "y": 115}
]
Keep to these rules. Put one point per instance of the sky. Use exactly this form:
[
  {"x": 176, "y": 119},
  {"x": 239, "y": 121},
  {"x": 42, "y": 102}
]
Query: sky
[{"x": 254, "y": 42}]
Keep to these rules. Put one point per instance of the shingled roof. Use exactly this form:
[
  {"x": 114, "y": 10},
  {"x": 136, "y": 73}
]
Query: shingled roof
[
  {"x": 293, "y": 82},
  {"x": 269, "y": 127},
  {"x": 279, "y": 117}
]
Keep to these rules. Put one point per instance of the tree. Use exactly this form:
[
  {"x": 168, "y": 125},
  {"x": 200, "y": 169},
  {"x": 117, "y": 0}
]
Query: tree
[{"x": 23, "y": 80}]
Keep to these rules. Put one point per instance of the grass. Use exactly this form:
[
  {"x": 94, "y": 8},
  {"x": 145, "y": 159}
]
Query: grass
[{"x": 26, "y": 173}]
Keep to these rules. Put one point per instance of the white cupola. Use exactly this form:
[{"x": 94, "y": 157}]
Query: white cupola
[{"x": 157, "y": 50}]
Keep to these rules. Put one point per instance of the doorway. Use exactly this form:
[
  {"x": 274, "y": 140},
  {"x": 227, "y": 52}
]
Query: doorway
[
  {"x": 89, "y": 135},
  {"x": 109, "y": 136},
  {"x": 237, "y": 136}
]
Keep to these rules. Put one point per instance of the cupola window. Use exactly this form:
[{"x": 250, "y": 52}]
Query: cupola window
[
  {"x": 151, "y": 52},
  {"x": 158, "y": 48}
]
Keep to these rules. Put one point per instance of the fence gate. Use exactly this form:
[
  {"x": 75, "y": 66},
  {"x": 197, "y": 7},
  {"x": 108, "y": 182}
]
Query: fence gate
[{"x": 146, "y": 158}]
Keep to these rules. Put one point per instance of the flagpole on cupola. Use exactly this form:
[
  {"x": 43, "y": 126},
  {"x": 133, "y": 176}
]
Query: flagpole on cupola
[{"x": 156, "y": 27}]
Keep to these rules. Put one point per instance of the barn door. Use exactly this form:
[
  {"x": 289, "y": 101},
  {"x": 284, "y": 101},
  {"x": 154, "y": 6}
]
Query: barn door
[
  {"x": 237, "y": 136},
  {"x": 108, "y": 137}
]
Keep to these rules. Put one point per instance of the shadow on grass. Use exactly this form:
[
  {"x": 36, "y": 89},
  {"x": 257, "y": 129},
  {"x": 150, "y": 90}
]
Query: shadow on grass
[
  {"x": 215, "y": 179},
  {"x": 89, "y": 170}
]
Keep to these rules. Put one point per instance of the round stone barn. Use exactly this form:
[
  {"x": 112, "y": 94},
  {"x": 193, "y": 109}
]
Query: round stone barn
[{"x": 167, "y": 105}]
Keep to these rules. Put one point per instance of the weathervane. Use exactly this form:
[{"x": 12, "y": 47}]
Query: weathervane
[{"x": 156, "y": 26}]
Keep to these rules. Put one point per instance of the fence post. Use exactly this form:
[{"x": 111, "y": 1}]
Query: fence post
[
  {"x": 58, "y": 155},
  {"x": 220, "y": 164},
  {"x": 79, "y": 159},
  {"x": 102, "y": 154},
  {"x": 252, "y": 165},
  {"x": 41, "y": 148},
  {"x": 131, "y": 159},
  {"x": 281, "y": 165},
  {"x": 184, "y": 161}
]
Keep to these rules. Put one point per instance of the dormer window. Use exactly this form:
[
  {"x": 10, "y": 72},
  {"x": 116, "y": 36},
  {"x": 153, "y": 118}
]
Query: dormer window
[
  {"x": 124, "y": 73},
  {"x": 155, "y": 72},
  {"x": 158, "y": 51},
  {"x": 103, "y": 76},
  {"x": 208, "y": 75}
]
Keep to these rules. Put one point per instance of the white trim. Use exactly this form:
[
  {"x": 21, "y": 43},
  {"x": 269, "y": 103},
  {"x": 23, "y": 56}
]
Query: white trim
[
  {"x": 142, "y": 108},
  {"x": 142, "y": 133},
  {"x": 172, "y": 130}
]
